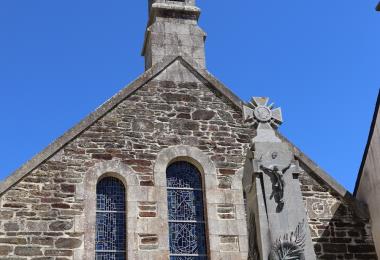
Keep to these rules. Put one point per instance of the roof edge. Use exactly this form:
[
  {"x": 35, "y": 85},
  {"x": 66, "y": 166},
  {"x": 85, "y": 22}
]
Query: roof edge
[{"x": 369, "y": 141}]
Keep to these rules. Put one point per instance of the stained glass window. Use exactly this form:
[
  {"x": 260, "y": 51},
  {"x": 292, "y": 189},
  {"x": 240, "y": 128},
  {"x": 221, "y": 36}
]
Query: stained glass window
[
  {"x": 187, "y": 236},
  {"x": 110, "y": 220}
]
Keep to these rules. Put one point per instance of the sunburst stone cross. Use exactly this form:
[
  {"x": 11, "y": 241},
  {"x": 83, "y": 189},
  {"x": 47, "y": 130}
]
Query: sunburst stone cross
[{"x": 260, "y": 114}]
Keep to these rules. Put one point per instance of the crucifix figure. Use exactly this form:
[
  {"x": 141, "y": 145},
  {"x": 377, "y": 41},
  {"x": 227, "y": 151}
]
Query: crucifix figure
[{"x": 278, "y": 184}]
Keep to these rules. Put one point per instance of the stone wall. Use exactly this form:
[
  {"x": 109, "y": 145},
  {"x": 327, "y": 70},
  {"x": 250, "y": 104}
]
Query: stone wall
[
  {"x": 42, "y": 216},
  {"x": 337, "y": 231}
]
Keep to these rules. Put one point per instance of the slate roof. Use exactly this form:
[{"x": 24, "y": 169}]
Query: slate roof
[{"x": 203, "y": 74}]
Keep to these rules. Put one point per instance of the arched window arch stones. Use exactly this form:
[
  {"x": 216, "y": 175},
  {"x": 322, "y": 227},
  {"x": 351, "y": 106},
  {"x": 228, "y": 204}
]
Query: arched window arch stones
[
  {"x": 225, "y": 237},
  {"x": 87, "y": 223},
  {"x": 219, "y": 232}
]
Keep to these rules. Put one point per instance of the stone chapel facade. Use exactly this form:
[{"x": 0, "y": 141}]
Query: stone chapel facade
[{"x": 175, "y": 166}]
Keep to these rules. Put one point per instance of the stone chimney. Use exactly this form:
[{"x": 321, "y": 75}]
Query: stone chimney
[{"x": 173, "y": 31}]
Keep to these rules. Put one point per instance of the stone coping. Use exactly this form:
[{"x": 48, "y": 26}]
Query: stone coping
[{"x": 176, "y": 7}]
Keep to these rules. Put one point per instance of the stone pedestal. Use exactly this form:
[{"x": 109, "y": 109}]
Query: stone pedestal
[{"x": 287, "y": 231}]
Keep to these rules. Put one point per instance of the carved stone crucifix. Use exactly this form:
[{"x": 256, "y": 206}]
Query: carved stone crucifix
[
  {"x": 273, "y": 190},
  {"x": 278, "y": 184}
]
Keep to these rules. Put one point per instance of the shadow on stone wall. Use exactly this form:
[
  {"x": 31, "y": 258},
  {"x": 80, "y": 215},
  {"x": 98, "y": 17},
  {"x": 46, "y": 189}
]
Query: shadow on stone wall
[
  {"x": 344, "y": 236},
  {"x": 336, "y": 228}
]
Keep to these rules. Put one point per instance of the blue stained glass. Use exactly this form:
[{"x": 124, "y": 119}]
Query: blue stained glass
[
  {"x": 187, "y": 236},
  {"x": 183, "y": 175},
  {"x": 110, "y": 195},
  {"x": 110, "y": 220},
  {"x": 108, "y": 238},
  {"x": 185, "y": 205},
  {"x": 188, "y": 258},
  {"x": 110, "y": 256}
]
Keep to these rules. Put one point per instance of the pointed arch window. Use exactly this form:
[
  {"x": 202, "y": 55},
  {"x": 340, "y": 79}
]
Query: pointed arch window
[
  {"x": 187, "y": 235},
  {"x": 110, "y": 220}
]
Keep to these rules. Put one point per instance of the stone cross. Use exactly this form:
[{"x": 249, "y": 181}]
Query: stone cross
[{"x": 279, "y": 227}]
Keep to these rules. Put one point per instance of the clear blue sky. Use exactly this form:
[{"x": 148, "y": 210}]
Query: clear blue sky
[{"x": 318, "y": 60}]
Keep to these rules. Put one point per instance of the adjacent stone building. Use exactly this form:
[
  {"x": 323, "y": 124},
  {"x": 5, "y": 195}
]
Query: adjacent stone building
[
  {"x": 368, "y": 181},
  {"x": 175, "y": 166}
]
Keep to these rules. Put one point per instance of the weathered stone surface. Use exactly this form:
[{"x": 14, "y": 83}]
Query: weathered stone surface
[
  {"x": 44, "y": 241},
  {"x": 226, "y": 211},
  {"x": 25, "y": 214},
  {"x": 68, "y": 243},
  {"x": 148, "y": 242},
  {"x": 5, "y": 250},
  {"x": 68, "y": 188},
  {"x": 28, "y": 251},
  {"x": 50, "y": 252},
  {"x": 5, "y": 215},
  {"x": 229, "y": 243},
  {"x": 11, "y": 226},
  {"x": 102, "y": 156},
  {"x": 147, "y": 209},
  {"x": 60, "y": 225},
  {"x": 225, "y": 182},
  {"x": 35, "y": 226},
  {"x": 203, "y": 115},
  {"x": 14, "y": 205},
  {"x": 177, "y": 97},
  {"x": 13, "y": 240},
  {"x": 184, "y": 125},
  {"x": 142, "y": 125}
]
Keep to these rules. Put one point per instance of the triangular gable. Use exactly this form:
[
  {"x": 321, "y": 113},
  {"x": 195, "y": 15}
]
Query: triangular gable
[
  {"x": 150, "y": 74},
  {"x": 71, "y": 134}
]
